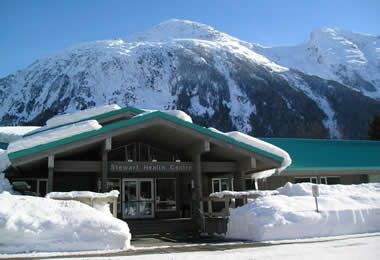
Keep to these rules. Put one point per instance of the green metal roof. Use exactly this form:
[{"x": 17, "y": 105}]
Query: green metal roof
[
  {"x": 136, "y": 120},
  {"x": 329, "y": 155},
  {"x": 97, "y": 117}
]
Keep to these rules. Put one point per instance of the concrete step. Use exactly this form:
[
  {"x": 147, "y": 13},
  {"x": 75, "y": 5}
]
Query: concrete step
[{"x": 154, "y": 226}]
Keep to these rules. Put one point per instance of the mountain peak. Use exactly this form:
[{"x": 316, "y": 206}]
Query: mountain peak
[{"x": 177, "y": 29}]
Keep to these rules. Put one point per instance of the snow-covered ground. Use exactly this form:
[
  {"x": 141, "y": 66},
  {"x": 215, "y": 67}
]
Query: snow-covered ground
[
  {"x": 33, "y": 224},
  {"x": 343, "y": 209}
]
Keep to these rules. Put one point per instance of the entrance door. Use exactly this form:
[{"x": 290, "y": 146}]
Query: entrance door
[{"x": 138, "y": 198}]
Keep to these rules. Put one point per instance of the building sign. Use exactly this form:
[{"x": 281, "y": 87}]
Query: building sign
[{"x": 129, "y": 167}]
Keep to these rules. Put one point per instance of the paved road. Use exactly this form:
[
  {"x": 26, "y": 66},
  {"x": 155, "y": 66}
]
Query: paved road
[{"x": 174, "y": 243}]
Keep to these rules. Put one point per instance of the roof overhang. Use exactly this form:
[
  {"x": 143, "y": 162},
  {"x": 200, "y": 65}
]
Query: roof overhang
[{"x": 160, "y": 128}]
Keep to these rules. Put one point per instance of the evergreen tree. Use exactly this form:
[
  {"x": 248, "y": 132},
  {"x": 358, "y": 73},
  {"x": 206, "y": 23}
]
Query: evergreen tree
[{"x": 374, "y": 128}]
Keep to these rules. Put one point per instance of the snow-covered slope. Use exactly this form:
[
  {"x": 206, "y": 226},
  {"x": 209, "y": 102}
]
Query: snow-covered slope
[
  {"x": 352, "y": 59},
  {"x": 219, "y": 80}
]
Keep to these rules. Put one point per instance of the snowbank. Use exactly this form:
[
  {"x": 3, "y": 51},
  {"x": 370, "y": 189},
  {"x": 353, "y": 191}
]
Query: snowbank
[
  {"x": 11, "y": 133},
  {"x": 32, "y": 224},
  {"x": 267, "y": 147},
  {"x": 4, "y": 160},
  {"x": 343, "y": 209},
  {"x": 53, "y": 135},
  {"x": 5, "y": 186}
]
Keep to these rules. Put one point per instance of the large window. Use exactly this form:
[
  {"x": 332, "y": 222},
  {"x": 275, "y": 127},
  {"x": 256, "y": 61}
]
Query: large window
[
  {"x": 166, "y": 194},
  {"x": 250, "y": 184},
  {"x": 306, "y": 179},
  {"x": 331, "y": 180},
  {"x": 221, "y": 184}
]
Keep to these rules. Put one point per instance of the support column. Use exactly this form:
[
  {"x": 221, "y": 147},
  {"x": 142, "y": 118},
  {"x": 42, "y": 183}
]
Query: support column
[
  {"x": 197, "y": 194},
  {"x": 50, "y": 173},
  {"x": 106, "y": 149}
]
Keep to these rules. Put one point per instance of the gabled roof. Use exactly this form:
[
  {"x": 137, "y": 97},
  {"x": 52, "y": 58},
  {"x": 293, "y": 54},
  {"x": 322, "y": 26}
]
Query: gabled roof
[
  {"x": 137, "y": 120},
  {"x": 330, "y": 155},
  {"x": 97, "y": 117}
]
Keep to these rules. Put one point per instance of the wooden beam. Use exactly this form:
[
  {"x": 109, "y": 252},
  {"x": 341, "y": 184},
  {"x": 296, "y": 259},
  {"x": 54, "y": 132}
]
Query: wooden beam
[
  {"x": 198, "y": 148},
  {"x": 78, "y": 166}
]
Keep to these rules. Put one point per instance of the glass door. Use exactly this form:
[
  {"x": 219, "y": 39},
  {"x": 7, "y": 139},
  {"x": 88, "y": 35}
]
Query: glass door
[{"x": 138, "y": 198}]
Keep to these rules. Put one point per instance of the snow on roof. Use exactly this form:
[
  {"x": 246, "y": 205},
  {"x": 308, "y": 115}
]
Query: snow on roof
[
  {"x": 53, "y": 135},
  {"x": 77, "y": 116},
  {"x": 176, "y": 113},
  {"x": 12, "y": 133},
  {"x": 82, "y": 194},
  {"x": 267, "y": 147},
  {"x": 33, "y": 224},
  {"x": 344, "y": 209}
]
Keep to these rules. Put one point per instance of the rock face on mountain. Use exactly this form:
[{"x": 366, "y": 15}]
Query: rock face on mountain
[{"x": 328, "y": 87}]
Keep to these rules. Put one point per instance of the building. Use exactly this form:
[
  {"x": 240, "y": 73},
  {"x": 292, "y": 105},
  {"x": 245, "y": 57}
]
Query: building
[{"x": 163, "y": 165}]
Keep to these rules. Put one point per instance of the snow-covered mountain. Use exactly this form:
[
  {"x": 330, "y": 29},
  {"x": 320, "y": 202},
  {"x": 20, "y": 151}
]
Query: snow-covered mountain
[
  {"x": 309, "y": 90},
  {"x": 352, "y": 59}
]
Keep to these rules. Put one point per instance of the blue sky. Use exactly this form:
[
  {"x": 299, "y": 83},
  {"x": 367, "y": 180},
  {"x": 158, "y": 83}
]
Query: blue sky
[{"x": 33, "y": 29}]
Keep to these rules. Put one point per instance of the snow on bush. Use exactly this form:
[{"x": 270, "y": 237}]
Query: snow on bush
[
  {"x": 5, "y": 186},
  {"x": 343, "y": 209},
  {"x": 33, "y": 224},
  {"x": 53, "y": 135}
]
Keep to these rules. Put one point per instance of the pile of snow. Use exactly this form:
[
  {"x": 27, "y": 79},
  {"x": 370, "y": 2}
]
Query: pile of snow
[
  {"x": 5, "y": 186},
  {"x": 53, "y": 135},
  {"x": 250, "y": 193},
  {"x": 12, "y": 133},
  {"x": 176, "y": 113},
  {"x": 267, "y": 147},
  {"x": 292, "y": 214},
  {"x": 33, "y": 224},
  {"x": 4, "y": 160}
]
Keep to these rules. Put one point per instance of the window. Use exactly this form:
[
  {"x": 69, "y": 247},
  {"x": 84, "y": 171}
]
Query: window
[
  {"x": 250, "y": 184},
  {"x": 305, "y": 179},
  {"x": 166, "y": 194},
  {"x": 331, "y": 180},
  {"x": 221, "y": 184}
]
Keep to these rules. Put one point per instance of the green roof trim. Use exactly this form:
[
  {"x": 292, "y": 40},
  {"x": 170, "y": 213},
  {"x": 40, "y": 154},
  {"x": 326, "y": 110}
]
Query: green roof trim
[
  {"x": 329, "y": 155},
  {"x": 136, "y": 120},
  {"x": 97, "y": 117}
]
